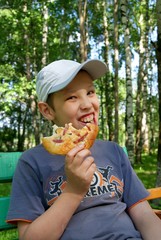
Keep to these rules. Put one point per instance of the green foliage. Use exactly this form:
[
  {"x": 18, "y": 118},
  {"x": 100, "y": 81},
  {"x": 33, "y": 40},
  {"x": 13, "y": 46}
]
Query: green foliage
[
  {"x": 15, "y": 94},
  {"x": 22, "y": 50}
]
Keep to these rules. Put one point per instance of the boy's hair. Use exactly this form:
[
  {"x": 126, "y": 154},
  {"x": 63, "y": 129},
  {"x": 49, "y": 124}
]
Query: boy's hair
[{"x": 57, "y": 75}]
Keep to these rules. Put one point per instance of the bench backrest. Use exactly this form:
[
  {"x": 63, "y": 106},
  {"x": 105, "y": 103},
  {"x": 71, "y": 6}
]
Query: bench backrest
[
  {"x": 8, "y": 162},
  {"x": 155, "y": 193}
]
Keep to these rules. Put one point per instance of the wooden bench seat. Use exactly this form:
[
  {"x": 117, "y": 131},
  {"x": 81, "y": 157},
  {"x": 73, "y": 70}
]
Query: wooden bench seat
[{"x": 155, "y": 193}]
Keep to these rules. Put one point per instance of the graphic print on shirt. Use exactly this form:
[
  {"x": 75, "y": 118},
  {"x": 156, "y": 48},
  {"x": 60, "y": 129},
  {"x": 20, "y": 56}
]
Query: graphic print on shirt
[
  {"x": 55, "y": 189},
  {"x": 104, "y": 181}
]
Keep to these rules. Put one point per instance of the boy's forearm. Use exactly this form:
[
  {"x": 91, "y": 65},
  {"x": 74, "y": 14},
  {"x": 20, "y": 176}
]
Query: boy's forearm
[
  {"x": 145, "y": 220},
  {"x": 53, "y": 222},
  {"x": 150, "y": 228}
]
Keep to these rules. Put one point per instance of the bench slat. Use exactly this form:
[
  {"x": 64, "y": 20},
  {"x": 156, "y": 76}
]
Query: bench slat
[
  {"x": 4, "y": 204},
  {"x": 154, "y": 193},
  {"x": 8, "y": 162}
]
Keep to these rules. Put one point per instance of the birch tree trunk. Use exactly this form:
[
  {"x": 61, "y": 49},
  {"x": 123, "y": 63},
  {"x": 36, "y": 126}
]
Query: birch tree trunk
[
  {"x": 145, "y": 130},
  {"x": 141, "y": 100},
  {"x": 151, "y": 127},
  {"x": 108, "y": 80},
  {"x": 42, "y": 126},
  {"x": 129, "y": 95},
  {"x": 45, "y": 35},
  {"x": 116, "y": 67},
  {"x": 82, "y": 7},
  {"x": 158, "y": 52}
]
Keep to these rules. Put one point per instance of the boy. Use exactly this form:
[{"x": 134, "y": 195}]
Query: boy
[{"x": 64, "y": 197}]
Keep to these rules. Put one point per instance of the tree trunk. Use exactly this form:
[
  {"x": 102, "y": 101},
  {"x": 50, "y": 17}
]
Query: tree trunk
[
  {"x": 145, "y": 130},
  {"x": 31, "y": 102},
  {"x": 116, "y": 67},
  {"x": 158, "y": 53},
  {"x": 82, "y": 7},
  {"x": 45, "y": 36},
  {"x": 108, "y": 83},
  {"x": 129, "y": 95},
  {"x": 103, "y": 120},
  {"x": 141, "y": 101}
]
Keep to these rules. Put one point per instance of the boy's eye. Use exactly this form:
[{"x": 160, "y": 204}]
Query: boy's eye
[
  {"x": 71, "y": 97},
  {"x": 91, "y": 92}
]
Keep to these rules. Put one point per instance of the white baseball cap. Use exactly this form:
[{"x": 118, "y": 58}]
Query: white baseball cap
[{"x": 57, "y": 75}]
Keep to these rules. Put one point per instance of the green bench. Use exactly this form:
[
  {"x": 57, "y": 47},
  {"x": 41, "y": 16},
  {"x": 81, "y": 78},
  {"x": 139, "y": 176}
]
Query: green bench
[{"x": 8, "y": 162}]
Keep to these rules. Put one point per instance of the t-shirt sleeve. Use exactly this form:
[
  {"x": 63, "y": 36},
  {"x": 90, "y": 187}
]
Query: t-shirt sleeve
[
  {"x": 134, "y": 190},
  {"x": 26, "y": 194}
]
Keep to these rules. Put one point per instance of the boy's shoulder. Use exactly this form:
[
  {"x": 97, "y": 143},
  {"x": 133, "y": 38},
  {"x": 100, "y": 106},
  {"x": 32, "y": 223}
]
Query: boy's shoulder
[
  {"x": 38, "y": 155},
  {"x": 34, "y": 151},
  {"x": 105, "y": 144},
  {"x": 108, "y": 150}
]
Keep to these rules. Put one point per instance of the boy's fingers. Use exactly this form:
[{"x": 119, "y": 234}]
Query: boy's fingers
[{"x": 75, "y": 150}]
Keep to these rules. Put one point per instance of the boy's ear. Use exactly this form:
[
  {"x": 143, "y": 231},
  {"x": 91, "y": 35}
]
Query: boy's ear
[{"x": 46, "y": 111}]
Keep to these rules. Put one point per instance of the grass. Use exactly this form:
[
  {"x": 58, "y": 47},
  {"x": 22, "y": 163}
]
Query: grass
[
  {"x": 5, "y": 189},
  {"x": 146, "y": 171},
  {"x": 9, "y": 234}
]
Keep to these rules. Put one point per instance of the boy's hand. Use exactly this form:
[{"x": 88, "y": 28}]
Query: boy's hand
[{"x": 79, "y": 168}]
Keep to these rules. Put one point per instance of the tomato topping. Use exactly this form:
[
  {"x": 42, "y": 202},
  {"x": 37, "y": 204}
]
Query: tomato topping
[
  {"x": 57, "y": 140},
  {"x": 81, "y": 138}
]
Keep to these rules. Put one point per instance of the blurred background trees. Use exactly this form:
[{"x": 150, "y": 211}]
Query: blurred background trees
[{"x": 124, "y": 34}]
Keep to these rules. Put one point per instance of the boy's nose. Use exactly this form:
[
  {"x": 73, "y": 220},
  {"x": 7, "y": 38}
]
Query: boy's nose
[{"x": 85, "y": 103}]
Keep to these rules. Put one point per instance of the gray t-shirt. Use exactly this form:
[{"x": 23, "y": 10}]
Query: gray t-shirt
[{"x": 40, "y": 178}]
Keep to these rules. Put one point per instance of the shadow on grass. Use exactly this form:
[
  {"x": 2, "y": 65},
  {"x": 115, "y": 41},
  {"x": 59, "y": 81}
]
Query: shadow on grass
[{"x": 147, "y": 170}]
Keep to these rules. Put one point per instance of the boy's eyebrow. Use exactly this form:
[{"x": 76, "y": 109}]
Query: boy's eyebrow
[{"x": 67, "y": 90}]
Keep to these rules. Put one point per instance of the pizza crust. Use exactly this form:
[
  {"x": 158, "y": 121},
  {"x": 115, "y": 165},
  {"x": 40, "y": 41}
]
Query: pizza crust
[{"x": 64, "y": 139}]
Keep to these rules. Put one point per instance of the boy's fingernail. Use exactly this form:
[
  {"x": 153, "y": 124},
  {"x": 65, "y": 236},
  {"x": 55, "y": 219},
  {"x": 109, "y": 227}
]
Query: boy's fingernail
[{"x": 81, "y": 145}]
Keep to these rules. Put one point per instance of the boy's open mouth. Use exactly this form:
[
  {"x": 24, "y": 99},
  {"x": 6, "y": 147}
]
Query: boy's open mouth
[{"x": 88, "y": 119}]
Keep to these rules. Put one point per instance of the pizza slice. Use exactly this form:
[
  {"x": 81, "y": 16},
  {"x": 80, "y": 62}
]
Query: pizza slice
[{"x": 66, "y": 138}]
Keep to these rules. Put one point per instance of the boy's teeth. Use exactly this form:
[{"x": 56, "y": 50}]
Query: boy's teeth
[{"x": 87, "y": 119}]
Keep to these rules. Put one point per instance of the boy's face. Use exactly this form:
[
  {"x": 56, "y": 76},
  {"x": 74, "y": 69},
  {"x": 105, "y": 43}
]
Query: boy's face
[{"x": 77, "y": 103}]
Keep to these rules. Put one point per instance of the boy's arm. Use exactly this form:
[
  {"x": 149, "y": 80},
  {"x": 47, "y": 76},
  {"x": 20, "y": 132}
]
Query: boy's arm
[
  {"x": 53, "y": 222},
  {"x": 79, "y": 167},
  {"x": 146, "y": 221}
]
